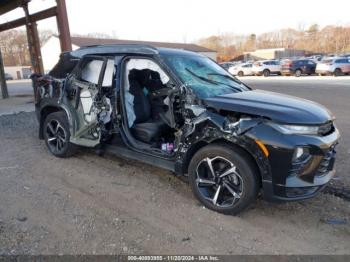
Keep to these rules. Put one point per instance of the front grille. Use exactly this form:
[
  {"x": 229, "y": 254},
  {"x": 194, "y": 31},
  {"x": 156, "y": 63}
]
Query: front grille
[
  {"x": 326, "y": 129},
  {"x": 327, "y": 162}
]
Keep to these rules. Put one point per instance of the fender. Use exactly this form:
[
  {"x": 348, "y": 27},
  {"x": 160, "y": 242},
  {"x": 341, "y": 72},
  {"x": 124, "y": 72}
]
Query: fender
[
  {"x": 212, "y": 128},
  {"x": 50, "y": 105}
]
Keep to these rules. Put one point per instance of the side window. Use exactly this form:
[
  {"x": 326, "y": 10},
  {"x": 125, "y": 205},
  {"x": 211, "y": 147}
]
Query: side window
[
  {"x": 310, "y": 62},
  {"x": 92, "y": 70},
  {"x": 341, "y": 61}
]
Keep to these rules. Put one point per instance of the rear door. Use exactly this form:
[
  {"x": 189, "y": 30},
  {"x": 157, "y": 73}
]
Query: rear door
[
  {"x": 90, "y": 91},
  {"x": 343, "y": 64},
  {"x": 275, "y": 66},
  {"x": 310, "y": 67}
]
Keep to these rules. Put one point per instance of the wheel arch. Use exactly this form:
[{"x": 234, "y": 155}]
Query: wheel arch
[
  {"x": 48, "y": 109},
  {"x": 221, "y": 141}
]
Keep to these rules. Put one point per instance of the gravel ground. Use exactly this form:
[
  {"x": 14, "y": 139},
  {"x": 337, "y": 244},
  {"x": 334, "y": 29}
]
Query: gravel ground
[{"x": 93, "y": 205}]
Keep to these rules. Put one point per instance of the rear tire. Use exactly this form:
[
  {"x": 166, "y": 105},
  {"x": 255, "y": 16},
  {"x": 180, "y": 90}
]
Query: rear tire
[
  {"x": 266, "y": 73},
  {"x": 337, "y": 72},
  {"x": 57, "y": 135},
  {"x": 240, "y": 73},
  {"x": 298, "y": 73},
  {"x": 223, "y": 179}
]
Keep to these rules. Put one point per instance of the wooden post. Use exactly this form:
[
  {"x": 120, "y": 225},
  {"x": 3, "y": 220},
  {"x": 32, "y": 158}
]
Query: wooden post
[
  {"x": 33, "y": 43},
  {"x": 63, "y": 26},
  {"x": 3, "y": 84}
]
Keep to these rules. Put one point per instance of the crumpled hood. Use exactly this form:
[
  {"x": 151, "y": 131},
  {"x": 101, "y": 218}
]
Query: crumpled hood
[{"x": 278, "y": 107}]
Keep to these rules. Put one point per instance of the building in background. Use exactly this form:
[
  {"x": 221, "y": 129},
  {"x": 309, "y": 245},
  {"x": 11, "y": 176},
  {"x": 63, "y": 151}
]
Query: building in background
[
  {"x": 51, "y": 49},
  {"x": 19, "y": 72},
  {"x": 275, "y": 53}
]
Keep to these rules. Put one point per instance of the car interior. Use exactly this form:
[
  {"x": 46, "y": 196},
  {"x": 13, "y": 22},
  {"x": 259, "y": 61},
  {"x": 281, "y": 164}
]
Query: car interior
[{"x": 147, "y": 104}]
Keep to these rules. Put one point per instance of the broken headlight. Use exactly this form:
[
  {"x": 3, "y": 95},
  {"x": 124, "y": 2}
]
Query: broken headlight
[{"x": 295, "y": 129}]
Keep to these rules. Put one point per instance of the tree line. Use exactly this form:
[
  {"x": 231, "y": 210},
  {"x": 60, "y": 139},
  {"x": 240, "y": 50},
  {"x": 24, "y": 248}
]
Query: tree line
[
  {"x": 14, "y": 46},
  {"x": 326, "y": 40},
  {"x": 314, "y": 40}
]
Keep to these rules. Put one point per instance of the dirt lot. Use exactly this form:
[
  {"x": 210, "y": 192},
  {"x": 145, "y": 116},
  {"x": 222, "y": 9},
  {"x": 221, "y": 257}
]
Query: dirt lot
[{"x": 93, "y": 205}]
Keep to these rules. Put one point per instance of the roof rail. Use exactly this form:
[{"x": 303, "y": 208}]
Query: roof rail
[{"x": 115, "y": 49}]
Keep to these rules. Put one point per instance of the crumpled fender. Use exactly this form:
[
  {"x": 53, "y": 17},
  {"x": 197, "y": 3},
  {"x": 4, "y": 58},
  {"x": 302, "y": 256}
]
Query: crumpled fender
[{"x": 208, "y": 128}]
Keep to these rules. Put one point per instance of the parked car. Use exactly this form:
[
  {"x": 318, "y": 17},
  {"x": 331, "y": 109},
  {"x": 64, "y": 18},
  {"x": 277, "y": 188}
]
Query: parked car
[
  {"x": 181, "y": 111},
  {"x": 226, "y": 65},
  {"x": 244, "y": 69},
  {"x": 298, "y": 67},
  {"x": 315, "y": 58},
  {"x": 266, "y": 68},
  {"x": 8, "y": 76},
  {"x": 333, "y": 66}
]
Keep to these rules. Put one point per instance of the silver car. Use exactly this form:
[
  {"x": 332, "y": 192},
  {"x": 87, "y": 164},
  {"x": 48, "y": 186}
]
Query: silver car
[
  {"x": 244, "y": 69},
  {"x": 333, "y": 66}
]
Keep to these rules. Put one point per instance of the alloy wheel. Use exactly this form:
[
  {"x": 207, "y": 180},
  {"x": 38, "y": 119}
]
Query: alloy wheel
[
  {"x": 218, "y": 181},
  {"x": 56, "y": 136}
]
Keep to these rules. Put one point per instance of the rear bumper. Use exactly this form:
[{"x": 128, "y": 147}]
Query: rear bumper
[
  {"x": 257, "y": 72},
  {"x": 287, "y": 72}
]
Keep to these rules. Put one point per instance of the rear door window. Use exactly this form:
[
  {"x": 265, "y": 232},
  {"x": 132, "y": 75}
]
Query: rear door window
[
  {"x": 341, "y": 61},
  {"x": 92, "y": 70}
]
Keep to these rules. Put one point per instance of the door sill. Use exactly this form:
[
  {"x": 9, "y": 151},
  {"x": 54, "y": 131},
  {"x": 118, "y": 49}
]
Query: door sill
[{"x": 124, "y": 152}]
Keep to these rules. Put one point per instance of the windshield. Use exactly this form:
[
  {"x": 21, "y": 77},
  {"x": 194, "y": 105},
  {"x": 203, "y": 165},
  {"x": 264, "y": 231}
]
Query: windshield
[{"x": 204, "y": 76}]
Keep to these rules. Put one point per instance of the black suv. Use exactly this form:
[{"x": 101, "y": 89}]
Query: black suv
[
  {"x": 181, "y": 111},
  {"x": 298, "y": 67}
]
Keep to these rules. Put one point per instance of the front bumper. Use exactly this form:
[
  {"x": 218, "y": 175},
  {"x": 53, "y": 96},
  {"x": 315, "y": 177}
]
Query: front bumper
[
  {"x": 323, "y": 72},
  {"x": 298, "y": 190},
  {"x": 290, "y": 180}
]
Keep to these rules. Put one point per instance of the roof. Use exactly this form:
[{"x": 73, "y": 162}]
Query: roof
[
  {"x": 9, "y": 5},
  {"x": 69, "y": 59},
  {"x": 87, "y": 41},
  {"x": 127, "y": 49}
]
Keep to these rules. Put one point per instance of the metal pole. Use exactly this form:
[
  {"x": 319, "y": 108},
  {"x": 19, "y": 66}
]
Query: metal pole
[
  {"x": 3, "y": 84},
  {"x": 63, "y": 26}
]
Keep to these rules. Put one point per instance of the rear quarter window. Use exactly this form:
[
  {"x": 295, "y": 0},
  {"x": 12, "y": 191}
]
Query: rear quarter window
[{"x": 341, "y": 61}]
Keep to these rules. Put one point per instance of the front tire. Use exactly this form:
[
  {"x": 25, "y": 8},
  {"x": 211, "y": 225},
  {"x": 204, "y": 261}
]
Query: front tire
[
  {"x": 223, "y": 179},
  {"x": 240, "y": 73},
  {"x": 298, "y": 73},
  {"x": 266, "y": 73},
  {"x": 57, "y": 135}
]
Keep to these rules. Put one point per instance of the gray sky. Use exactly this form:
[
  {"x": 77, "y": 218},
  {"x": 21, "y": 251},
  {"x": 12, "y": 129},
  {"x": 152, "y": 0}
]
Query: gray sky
[{"x": 189, "y": 20}]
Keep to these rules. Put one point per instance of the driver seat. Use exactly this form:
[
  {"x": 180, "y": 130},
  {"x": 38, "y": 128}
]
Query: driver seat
[{"x": 144, "y": 128}]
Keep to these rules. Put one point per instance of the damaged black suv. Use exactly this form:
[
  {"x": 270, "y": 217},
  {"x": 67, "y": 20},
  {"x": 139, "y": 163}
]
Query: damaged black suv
[{"x": 181, "y": 111}]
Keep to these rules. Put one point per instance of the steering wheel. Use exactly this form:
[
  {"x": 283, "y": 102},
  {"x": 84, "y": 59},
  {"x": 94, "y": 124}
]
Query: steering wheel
[{"x": 161, "y": 92}]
